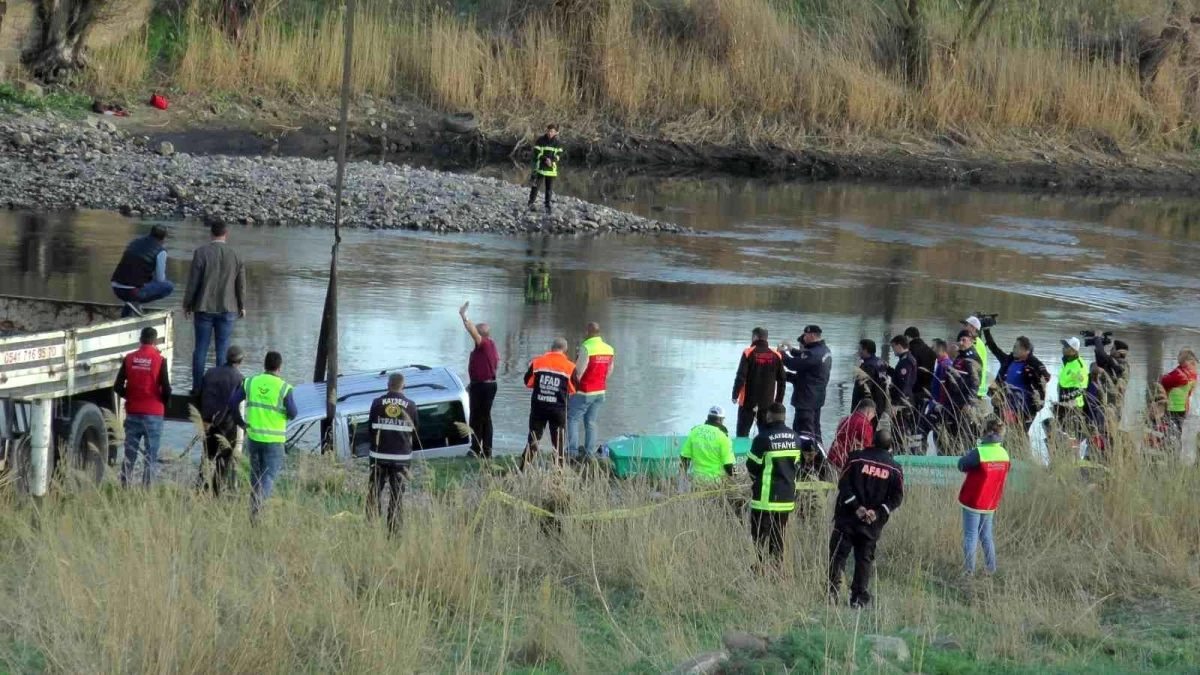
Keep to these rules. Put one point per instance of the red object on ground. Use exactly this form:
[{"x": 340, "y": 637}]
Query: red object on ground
[{"x": 158, "y": 102}]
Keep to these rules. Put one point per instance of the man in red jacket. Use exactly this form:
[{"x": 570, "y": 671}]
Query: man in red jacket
[
  {"x": 987, "y": 468},
  {"x": 144, "y": 384},
  {"x": 761, "y": 380},
  {"x": 1179, "y": 384},
  {"x": 853, "y": 433}
]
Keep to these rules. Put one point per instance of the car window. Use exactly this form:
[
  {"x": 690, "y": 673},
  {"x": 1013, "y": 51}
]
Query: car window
[
  {"x": 360, "y": 435},
  {"x": 438, "y": 425}
]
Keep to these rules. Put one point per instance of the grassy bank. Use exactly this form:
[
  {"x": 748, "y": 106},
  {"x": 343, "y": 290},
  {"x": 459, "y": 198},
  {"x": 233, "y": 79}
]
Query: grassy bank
[
  {"x": 699, "y": 70},
  {"x": 1094, "y": 579}
]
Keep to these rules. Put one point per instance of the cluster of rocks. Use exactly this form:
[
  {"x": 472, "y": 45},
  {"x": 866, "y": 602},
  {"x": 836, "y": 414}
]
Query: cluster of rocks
[{"x": 50, "y": 163}]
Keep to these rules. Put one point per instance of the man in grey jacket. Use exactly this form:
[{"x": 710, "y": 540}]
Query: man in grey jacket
[{"x": 216, "y": 289}]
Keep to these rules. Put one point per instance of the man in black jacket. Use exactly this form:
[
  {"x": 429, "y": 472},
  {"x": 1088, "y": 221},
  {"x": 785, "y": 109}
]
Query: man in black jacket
[
  {"x": 772, "y": 464},
  {"x": 962, "y": 386},
  {"x": 809, "y": 366},
  {"x": 1022, "y": 378},
  {"x": 903, "y": 381},
  {"x": 869, "y": 492},
  {"x": 141, "y": 275},
  {"x": 1115, "y": 365},
  {"x": 220, "y": 427},
  {"x": 393, "y": 422},
  {"x": 547, "y": 150},
  {"x": 871, "y": 379},
  {"x": 761, "y": 381},
  {"x": 926, "y": 361}
]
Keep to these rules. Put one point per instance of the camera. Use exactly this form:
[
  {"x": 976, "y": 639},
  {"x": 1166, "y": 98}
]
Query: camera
[
  {"x": 986, "y": 320},
  {"x": 1090, "y": 338}
]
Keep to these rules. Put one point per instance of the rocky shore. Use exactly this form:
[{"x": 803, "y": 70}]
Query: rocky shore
[{"x": 49, "y": 164}]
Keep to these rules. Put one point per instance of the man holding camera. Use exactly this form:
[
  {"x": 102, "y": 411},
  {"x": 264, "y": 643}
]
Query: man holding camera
[{"x": 1110, "y": 390}]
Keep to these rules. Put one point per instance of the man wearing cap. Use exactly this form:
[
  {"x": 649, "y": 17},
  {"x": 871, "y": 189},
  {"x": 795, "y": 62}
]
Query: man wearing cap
[
  {"x": 1072, "y": 384},
  {"x": 808, "y": 368},
  {"x": 973, "y": 326},
  {"x": 961, "y": 387},
  {"x": 707, "y": 453},
  {"x": 217, "y": 388},
  {"x": 871, "y": 379}
]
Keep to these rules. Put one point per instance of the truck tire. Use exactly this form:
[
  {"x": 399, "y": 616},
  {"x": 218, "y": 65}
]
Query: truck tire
[
  {"x": 460, "y": 123},
  {"x": 19, "y": 472},
  {"x": 86, "y": 443}
]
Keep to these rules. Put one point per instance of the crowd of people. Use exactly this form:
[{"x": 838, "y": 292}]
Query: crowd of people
[{"x": 941, "y": 392}]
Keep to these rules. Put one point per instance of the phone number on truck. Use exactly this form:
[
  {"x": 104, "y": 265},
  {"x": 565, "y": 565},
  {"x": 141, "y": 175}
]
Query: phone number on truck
[{"x": 31, "y": 354}]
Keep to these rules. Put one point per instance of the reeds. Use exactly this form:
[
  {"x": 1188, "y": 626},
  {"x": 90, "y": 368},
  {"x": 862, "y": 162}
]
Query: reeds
[
  {"x": 170, "y": 581},
  {"x": 701, "y": 70}
]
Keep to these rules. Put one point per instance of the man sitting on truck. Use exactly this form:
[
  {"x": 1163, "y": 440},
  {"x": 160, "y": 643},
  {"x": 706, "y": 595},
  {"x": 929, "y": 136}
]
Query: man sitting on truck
[
  {"x": 141, "y": 276},
  {"x": 143, "y": 381}
]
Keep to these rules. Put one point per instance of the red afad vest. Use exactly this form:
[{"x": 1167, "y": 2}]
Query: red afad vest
[
  {"x": 594, "y": 380},
  {"x": 142, "y": 370},
  {"x": 984, "y": 485}
]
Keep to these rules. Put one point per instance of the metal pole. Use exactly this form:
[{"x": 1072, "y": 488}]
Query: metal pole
[
  {"x": 42, "y": 435},
  {"x": 329, "y": 328}
]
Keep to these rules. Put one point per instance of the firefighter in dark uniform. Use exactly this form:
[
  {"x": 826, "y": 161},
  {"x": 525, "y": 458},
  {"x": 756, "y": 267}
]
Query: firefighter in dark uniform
[
  {"x": 393, "y": 423},
  {"x": 546, "y": 152},
  {"x": 772, "y": 464},
  {"x": 869, "y": 492},
  {"x": 550, "y": 376},
  {"x": 809, "y": 366},
  {"x": 903, "y": 383},
  {"x": 761, "y": 380}
]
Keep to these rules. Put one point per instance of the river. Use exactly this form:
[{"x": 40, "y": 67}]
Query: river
[{"x": 859, "y": 260}]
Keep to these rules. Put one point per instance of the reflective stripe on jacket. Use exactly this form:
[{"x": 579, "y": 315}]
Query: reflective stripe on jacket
[
  {"x": 987, "y": 469},
  {"x": 1073, "y": 381},
  {"x": 772, "y": 464},
  {"x": 266, "y": 412},
  {"x": 546, "y": 153},
  {"x": 594, "y": 379}
]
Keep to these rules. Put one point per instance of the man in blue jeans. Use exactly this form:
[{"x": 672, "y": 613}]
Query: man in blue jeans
[
  {"x": 216, "y": 297},
  {"x": 269, "y": 406},
  {"x": 987, "y": 468},
  {"x": 141, "y": 275},
  {"x": 144, "y": 384},
  {"x": 592, "y": 368}
]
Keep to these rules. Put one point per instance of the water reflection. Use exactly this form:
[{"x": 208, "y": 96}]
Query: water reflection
[{"x": 861, "y": 261}]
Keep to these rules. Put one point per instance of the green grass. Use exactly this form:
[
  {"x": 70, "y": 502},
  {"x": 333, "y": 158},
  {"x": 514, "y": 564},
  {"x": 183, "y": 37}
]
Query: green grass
[{"x": 71, "y": 104}]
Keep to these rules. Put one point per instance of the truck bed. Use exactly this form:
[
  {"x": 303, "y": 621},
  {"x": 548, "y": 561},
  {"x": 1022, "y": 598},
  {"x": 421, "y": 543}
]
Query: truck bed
[{"x": 54, "y": 348}]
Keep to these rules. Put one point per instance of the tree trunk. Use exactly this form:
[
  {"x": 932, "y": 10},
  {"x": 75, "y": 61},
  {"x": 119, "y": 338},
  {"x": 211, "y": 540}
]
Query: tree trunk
[{"x": 60, "y": 31}]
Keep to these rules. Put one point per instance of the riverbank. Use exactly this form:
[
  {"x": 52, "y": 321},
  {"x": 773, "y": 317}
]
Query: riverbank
[
  {"x": 50, "y": 163},
  {"x": 383, "y": 129}
]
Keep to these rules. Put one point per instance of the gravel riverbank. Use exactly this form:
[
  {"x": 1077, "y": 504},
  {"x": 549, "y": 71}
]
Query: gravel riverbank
[{"x": 48, "y": 164}]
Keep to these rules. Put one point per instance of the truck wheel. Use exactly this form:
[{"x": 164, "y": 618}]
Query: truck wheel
[
  {"x": 19, "y": 471},
  {"x": 87, "y": 442}
]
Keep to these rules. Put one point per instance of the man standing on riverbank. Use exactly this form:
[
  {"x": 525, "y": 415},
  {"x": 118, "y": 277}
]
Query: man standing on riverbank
[
  {"x": 761, "y": 381},
  {"x": 809, "y": 366},
  {"x": 393, "y": 420},
  {"x": 481, "y": 392},
  {"x": 217, "y": 388},
  {"x": 141, "y": 276},
  {"x": 216, "y": 289},
  {"x": 592, "y": 368},
  {"x": 546, "y": 152},
  {"x": 1179, "y": 384},
  {"x": 551, "y": 377},
  {"x": 269, "y": 406},
  {"x": 772, "y": 465},
  {"x": 144, "y": 382}
]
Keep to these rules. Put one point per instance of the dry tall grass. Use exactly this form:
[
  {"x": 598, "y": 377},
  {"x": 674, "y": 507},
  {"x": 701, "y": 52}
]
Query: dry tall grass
[
  {"x": 165, "y": 581},
  {"x": 702, "y": 69}
]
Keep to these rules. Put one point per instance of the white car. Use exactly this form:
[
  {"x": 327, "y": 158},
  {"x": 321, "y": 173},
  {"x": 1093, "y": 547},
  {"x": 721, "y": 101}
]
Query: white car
[{"x": 442, "y": 412}]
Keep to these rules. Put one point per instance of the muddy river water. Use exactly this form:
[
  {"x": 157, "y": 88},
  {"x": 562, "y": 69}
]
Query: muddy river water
[{"x": 860, "y": 261}]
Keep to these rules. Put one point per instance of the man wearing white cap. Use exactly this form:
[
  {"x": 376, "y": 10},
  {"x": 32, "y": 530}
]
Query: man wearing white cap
[
  {"x": 1072, "y": 384},
  {"x": 974, "y": 325},
  {"x": 708, "y": 450}
]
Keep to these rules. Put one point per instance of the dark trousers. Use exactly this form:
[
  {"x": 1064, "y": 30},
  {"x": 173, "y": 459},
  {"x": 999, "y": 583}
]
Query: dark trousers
[
  {"x": 767, "y": 527},
  {"x": 538, "y": 421},
  {"x": 393, "y": 475},
  {"x": 840, "y": 546},
  {"x": 218, "y": 448},
  {"x": 747, "y": 416},
  {"x": 808, "y": 419},
  {"x": 1174, "y": 436},
  {"x": 481, "y": 395},
  {"x": 537, "y": 178}
]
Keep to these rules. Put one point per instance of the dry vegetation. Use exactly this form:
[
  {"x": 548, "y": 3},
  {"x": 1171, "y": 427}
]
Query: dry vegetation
[
  {"x": 112, "y": 582},
  {"x": 716, "y": 70}
]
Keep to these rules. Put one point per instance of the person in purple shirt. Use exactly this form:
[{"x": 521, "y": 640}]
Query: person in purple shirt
[{"x": 481, "y": 392}]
